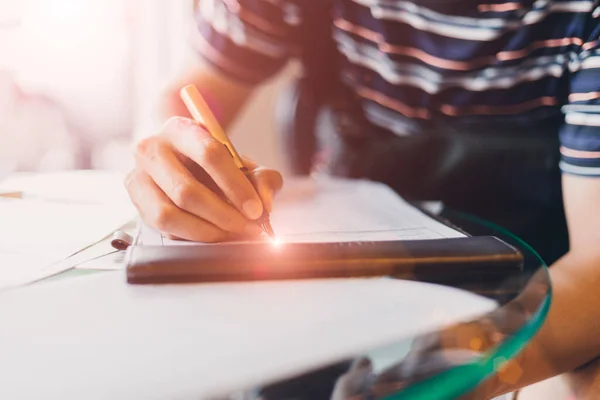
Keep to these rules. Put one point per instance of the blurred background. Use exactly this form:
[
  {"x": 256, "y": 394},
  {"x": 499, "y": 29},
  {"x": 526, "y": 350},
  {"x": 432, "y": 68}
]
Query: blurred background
[{"x": 79, "y": 80}]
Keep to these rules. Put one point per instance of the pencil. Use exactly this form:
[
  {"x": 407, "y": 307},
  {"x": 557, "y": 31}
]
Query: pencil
[{"x": 202, "y": 114}]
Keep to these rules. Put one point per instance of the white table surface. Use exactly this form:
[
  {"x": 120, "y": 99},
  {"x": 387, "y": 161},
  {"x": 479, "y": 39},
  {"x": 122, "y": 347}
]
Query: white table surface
[{"x": 97, "y": 337}]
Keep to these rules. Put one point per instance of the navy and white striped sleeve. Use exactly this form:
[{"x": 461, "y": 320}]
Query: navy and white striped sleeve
[
  {"x": 248, "y": 40},
  {"x": 580, "y": 135}
]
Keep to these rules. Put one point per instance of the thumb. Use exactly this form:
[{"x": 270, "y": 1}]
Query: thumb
[{"x": 268, "y": 183}]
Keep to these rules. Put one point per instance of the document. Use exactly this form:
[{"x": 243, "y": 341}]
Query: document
[
  {"x": 36, "y": 236},
  {"x": 341, "y": 210},
  {"x": 326, "y": 209},
  {"x": 57, "y": 215}
]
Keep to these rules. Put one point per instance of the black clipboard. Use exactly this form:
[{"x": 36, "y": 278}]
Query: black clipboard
[{"x": 438, "y": 260}]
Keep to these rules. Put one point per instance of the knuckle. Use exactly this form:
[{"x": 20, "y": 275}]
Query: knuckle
[
  {"x": 174, "y": 120},
  {"x": 162, "y": 217},
  {"x": 145, "y": 145},
  {"x": 183, "y": 124},
  {"x": 182, "y": 193},
  {"x": 174, "y": 123},
  {"x": 213, "y": 152},
  {"x": 149, "y": 148}
]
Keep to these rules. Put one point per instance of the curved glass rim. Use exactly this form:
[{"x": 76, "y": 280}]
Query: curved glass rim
[{"x": 459, "y": 380}]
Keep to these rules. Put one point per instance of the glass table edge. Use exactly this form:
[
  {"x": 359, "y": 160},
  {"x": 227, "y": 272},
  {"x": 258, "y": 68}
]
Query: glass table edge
[
  {"x": 483, "y": 367},
  {"x": 488, "y": 362}
]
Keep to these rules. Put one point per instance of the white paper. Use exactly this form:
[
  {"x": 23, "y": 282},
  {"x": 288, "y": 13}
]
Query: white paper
[
  {"x": 36, "y": 236},
  {"x": 5, "y": 169},
  {"x": 340, "y": 210},
  {"x": 90, "y": 186},
  {"x": 60, "y": 214},
  {"x": 353, "y": 210},
  {"x": 102, "y": 255},
  {"x": 110, "y": 260},
  {"x": 98, "y": 338},
  {"x": 17, "y": 268}
]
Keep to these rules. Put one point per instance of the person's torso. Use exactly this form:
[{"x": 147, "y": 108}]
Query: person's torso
[
  {"x": 410, "y": 63},
  {"x": 500, "y": 72}
]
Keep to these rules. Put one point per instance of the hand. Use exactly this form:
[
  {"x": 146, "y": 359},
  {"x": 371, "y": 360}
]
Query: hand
[
  {"x": 186, "y": 184},
  {"x": 431, "y": 354}
]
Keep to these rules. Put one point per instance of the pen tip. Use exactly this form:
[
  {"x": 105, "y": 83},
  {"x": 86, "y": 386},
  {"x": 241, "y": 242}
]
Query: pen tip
[{"x": 269, "y": 230}]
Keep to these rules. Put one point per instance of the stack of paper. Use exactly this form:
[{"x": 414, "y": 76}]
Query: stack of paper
[
  {"x": 58, "y": 216},
  {"x": 324, "y": 209},
  {"x": 344, "y": 210}
]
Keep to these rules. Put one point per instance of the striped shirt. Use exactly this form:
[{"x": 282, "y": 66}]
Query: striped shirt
[{"x": 521, "y": 61}]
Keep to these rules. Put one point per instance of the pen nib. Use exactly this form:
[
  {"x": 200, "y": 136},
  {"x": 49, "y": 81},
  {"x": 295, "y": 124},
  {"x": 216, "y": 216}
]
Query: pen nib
[{"x": 268, "y": 229}]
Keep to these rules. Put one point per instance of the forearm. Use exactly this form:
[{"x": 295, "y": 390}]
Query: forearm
[
  {"x": 225, "y": 97},
  {"x": 570, "y": 336}
]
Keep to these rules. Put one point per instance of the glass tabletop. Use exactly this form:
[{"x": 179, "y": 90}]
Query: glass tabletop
[
  {"x": 448, "y": 363},
  {"x": 443, "y": 364}
]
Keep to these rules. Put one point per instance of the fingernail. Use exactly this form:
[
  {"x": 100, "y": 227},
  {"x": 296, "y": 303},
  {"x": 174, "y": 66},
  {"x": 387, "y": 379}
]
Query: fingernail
[
  {"x": 253, "y": 230},
  {"x": 253, "y": 209}
]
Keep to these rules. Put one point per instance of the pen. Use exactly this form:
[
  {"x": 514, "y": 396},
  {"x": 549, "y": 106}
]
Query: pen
[
  {"x": 203, "y": 115},
  {"x": 12, "y": 195}
]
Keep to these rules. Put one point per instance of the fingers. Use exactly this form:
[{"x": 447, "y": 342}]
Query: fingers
[
  {"x": 196, "y": 144},
  {"x": 156, "y": 157},
  {"x": 158, "y": 211},
  {"x": 352, "y": 384},
  {"x": 187, "y": 185}
]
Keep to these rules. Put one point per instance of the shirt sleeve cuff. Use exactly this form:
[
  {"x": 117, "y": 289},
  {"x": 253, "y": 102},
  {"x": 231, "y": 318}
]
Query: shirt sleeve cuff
[{"x": 576, "y": 167}]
